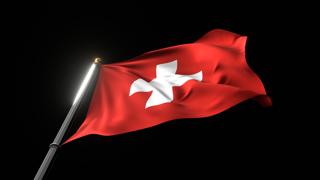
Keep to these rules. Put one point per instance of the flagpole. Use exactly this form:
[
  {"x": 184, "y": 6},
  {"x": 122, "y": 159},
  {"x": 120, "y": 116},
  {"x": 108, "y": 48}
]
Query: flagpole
[{"x": 53, "y": 147}]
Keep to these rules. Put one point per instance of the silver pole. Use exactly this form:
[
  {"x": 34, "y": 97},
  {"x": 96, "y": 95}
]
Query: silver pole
[{"x": 57, "y": 141}]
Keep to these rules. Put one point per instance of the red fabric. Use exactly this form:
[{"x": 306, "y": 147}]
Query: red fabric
[{"x": 227, "y": 81}]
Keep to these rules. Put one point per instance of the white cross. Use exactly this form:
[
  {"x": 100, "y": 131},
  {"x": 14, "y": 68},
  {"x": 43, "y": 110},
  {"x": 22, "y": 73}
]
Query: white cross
[{"x": 161, "y": 86}]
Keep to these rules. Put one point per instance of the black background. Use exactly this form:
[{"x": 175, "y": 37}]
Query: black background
[{"x": 58, "y": 44}]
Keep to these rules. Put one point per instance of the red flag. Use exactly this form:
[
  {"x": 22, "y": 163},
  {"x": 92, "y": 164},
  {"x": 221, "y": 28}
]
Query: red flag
[{"x": 185, "y": 81}]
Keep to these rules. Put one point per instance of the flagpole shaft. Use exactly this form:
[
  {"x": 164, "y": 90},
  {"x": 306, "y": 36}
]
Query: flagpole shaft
[
  {"x": 56, "y": 143},
  {"x": 63, "y": 129}
]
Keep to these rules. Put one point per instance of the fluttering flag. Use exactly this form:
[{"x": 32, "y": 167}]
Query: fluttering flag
[{"x": 193, "y": 80}]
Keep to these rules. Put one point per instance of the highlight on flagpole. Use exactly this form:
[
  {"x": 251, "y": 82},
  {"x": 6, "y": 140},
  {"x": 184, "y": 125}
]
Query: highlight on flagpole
[
  {"x": 86, "y": 80},
  {"x": 65, "y": 125}
]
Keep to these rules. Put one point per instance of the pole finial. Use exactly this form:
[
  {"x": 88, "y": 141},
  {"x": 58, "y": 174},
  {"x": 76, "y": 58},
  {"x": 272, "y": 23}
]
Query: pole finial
[{"x": 97, "y": 60}]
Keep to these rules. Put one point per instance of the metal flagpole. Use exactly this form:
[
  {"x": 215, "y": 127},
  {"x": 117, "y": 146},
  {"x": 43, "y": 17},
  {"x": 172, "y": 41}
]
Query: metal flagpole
[{"x": 57, "y": 141}]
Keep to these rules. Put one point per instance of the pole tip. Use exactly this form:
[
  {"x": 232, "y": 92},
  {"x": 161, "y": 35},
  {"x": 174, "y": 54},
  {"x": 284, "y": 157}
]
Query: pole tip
[{"x": 97, "y": 60}]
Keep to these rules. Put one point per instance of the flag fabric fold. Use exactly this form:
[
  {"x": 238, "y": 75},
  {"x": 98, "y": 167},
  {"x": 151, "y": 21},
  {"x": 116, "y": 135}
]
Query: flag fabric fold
[{"x": 193, "y": 80}]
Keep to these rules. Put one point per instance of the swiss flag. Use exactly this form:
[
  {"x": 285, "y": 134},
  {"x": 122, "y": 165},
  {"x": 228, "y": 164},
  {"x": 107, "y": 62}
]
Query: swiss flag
[{"x": 199, "y": 79}]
